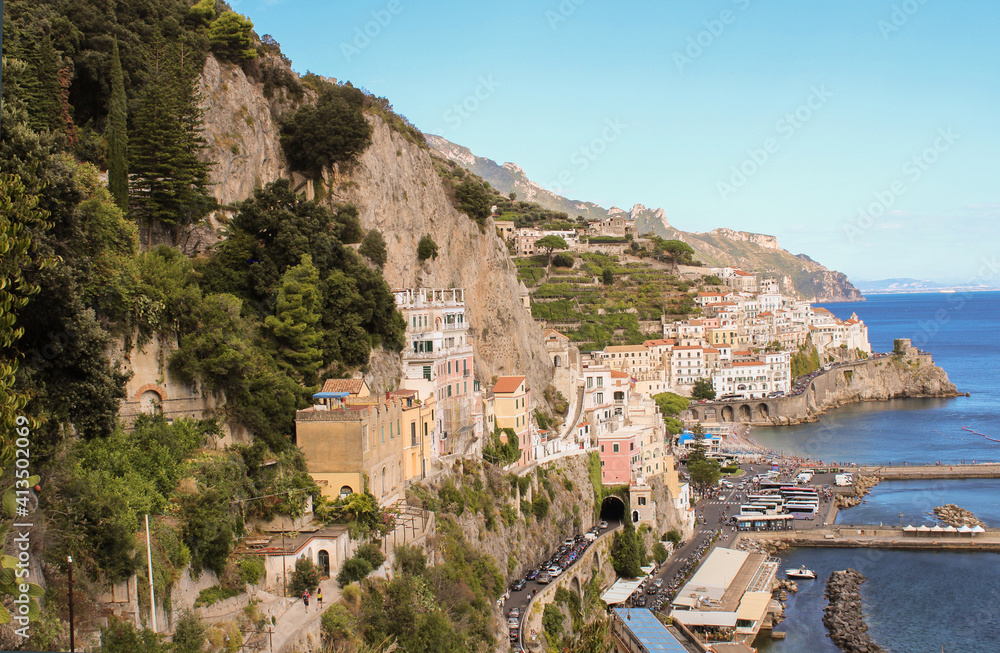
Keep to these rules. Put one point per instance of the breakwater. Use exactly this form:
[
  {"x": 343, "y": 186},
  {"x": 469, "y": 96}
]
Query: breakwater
[{"x": 843, "y": 617}]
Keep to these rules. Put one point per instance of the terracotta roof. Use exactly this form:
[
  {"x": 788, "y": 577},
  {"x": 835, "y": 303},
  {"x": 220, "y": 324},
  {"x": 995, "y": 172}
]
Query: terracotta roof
[
  {"x": 655, "y": 343},
  {"x": 353, "y": 386},
  {"x": 710, "y": 350},
  {"x": 615, "y": 374},
  {"x": 687, "y": 347},
  {"x": 744, "y": 363},
  {"x": 507, "y": 384},
  {"x": 769, "y": 313},
  {"x": 820, "y": 309},
  {"x": 616, "y": 348},
  {"x": 553, "y": 332}
]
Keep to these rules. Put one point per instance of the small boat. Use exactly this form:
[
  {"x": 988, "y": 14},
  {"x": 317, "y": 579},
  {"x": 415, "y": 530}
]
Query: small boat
[{"x": 802, "y": 572}]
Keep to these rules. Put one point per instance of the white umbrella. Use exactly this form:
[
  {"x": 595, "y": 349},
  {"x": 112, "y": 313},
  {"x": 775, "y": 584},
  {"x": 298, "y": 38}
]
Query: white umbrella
[
  {"x": 909, "y": 528},
  {"x": 978, "y": 529},
  {"x": 950, "y": 529},
  {"x": 937, "y": 529},
  {"x": 923, "y": 529},
  {"x": 965, "y": 529}
]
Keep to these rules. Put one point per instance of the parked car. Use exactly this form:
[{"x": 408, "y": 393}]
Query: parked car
[
  {"x": 513, "y": 622},
  {"x": 658, "y": 582},
  {"x": 554, "y": 571},
  {"x": 569, "y": 542},
  {"x": 640, "y": 601},
  {"x": 512, "y": 636},
  {"x": 532, "y": 575},
  {"x": 519, "y": 585},
  {"x": 514, "y": 612}
]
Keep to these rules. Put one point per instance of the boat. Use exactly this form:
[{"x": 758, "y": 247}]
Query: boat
[{"x": 802, "y": 572}]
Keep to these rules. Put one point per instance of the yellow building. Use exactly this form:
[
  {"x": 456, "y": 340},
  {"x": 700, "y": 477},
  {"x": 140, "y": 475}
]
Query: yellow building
[
  {"x": 350, "y": 441},
  {"x": 723, "y": 336},
  {"x": 511, "y": 407}
]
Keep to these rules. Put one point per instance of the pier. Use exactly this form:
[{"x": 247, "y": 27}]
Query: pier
[
  {"x": 905, "y": 472},
  {"x": 859, "y": 537}
]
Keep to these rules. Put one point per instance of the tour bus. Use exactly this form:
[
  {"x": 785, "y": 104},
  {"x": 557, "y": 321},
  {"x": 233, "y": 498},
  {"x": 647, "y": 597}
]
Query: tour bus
[
  {"x": 798, "y": 490},
  {"x": 801, "y": 509},
  {"x": 771, "y": 485},
  {"x": 766, "y": 499},
  {"x": 758, "y": 509}
]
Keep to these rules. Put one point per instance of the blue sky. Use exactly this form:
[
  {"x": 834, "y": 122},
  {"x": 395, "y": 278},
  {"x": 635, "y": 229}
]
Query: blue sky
[{"x": 863, "y": 133}]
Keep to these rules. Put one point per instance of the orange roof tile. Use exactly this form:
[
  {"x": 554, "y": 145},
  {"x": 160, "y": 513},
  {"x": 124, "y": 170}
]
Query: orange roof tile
[
  {"x": 507, "y": 384},
  {"x": 615, "y": 374},
  {"x": 352, "y": 386}
]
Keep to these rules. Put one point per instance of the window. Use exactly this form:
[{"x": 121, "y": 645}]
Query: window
[
  {"x": 641, "y": 501},
  {"x": 590, "y": 382},
  {"x": 427, "y": 372},
  {"x": 631, "y": 446},
  {"x": 383, "y": 435},
  {"x": 602, "y": 450},
  {"x": 600, "y": 397},
  {"x": 465, "y": 368},
  {"x": 465, "y": 387},
  {"x": 614, "y": 447},
  {"x": 364, "y": 437},
  {"x": 399, "y": 427},
  {"x": 449, "y": 367},
  {"x": 449, "y": 389},
  {"x": 390, "y": 431},
  {"x": 600, "y": 382}
]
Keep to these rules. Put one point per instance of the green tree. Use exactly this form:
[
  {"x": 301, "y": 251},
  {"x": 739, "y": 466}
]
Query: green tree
[
  {"x": 294, "y": 326},
  {"x": 671, "y": 403},
  {"x": 353, "y": 570},
  {"x": 45, "y": 93},
  {"x": 203, "y": 12},
  {"x": 473, "y": 200},
  {"x": 189, "y": 636},
  {"x": 552, "y": 620},
  {"x": 703, "y": 389},
  {"x": 372, "y": 553},
  {"x": 659, "y": 553},
  {"x": 674, "y": 536},
  {"x": 334, "y": 130},
  {"x": 625, "y": 556},
  {"x": 117, "y": 135},
  {"x": 169, "y": 180},
  {"x": 549, "y": 244},
  {"x": 207, "y": 530},
  {"x": 231, "y": 36},
  {"x": 607, "y": 277},
  {"x": 305, "y": 576},
  {"x": 699, "y": 432},
  {"x": 373, "y": 248},
  {"x": 427, "y": 248},
  {"x": 120, "y": 636}
]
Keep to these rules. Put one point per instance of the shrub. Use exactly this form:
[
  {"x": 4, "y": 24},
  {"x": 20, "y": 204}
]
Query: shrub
[
  {"x": 338, "y": 624},
  {"x": 231, "y": 36},
  {"x": 252, "y": 570},
  {"x": 373, "y": 248},
  {"x": 214, "y": 594},
  {"x": 552, "y": 620},
  {"x": 659, "y": 553},
  {"x": 305, "y": 576},
  {"x": 673, "y": 535},
  {"x": 562, "y": 260},
  {"x": 353, "y": 570},
  {"x": 540, "y": 506},
  {"x": 190, "y": 634},
  {"x": 473, "y": 200},
  {"x": 372, "y": 553},
  {"x": 427, "y": 248}
]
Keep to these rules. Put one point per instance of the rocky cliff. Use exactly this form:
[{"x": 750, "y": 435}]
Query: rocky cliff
[{"x": 398, "y": 192}]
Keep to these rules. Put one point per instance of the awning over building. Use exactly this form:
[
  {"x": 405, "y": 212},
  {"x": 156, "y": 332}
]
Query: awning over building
[
  {"x": 331, "y": 395},
  {"x": 705, "y": 618},
  {"x": 620, "y": 591}
]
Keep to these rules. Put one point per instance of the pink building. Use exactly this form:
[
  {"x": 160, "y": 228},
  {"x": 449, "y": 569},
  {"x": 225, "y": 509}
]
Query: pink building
[{"x": 618, "y": 453}]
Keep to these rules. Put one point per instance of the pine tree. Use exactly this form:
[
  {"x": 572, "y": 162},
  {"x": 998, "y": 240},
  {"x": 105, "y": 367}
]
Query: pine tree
[
  {"x": 294, "y": 326},
  {"x": 45, "y": 94},
  {"x": 117, "y": 134},
  {"x": 169, "y": 181}
]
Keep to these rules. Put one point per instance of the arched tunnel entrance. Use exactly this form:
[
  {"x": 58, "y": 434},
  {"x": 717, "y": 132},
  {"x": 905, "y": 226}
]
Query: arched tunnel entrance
[{"x": 613, "y": 510}]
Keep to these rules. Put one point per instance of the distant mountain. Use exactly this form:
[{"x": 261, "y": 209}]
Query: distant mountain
[
  {"x": 510, "y": 178},
  {"x": 900, "y": 285},
  {"x": 752, "y": 252}
]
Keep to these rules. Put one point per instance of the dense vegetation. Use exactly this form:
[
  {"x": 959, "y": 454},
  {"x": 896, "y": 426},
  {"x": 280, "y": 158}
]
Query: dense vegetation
[{"x": 89, "y": 85}]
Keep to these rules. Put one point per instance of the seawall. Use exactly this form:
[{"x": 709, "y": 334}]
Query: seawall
[{"x": 878, "y": 378}]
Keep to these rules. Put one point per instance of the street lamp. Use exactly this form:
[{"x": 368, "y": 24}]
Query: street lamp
[{"x": 72, "y": 642}]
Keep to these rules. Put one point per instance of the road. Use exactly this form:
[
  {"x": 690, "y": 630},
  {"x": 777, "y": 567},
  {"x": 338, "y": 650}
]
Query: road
[{"x": 520, "y": 599}]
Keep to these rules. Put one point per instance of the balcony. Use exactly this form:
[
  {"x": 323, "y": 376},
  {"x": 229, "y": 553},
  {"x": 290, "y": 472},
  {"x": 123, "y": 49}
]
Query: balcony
[{"x": 410, "y": 355}]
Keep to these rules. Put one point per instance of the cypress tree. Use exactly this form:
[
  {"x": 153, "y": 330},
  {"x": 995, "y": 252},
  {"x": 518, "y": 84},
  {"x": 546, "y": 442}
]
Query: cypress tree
[
  {"x": 294, "y": 326},
  {"x": 45, "y": 94},
  {"x": 117, "y": 134}
]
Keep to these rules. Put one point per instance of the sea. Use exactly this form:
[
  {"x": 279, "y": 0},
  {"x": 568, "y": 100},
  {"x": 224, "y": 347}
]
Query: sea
[{"x": 914, "y": 602}]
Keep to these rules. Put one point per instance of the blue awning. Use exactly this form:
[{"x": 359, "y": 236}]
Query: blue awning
[{"x": 331, "y": 395}]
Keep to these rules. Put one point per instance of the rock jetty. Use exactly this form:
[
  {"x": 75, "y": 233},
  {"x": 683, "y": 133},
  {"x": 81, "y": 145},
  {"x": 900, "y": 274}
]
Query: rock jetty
[
  {"x": 952, "y": 515},
  {"x": 862, "y": 486},
  {"x": 843, "y": 618}
]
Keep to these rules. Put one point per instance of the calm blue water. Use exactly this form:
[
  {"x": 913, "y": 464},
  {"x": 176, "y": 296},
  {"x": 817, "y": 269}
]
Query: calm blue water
[
  {"x": 956, "y": 329},
  {"x": 915, "y": 602},
  {"x": 916, "y": 498}
]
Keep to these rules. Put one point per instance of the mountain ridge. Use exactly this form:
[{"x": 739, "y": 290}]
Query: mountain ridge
[{"x": 722, "y": 246}]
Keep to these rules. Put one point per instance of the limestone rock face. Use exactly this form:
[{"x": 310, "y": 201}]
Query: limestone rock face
[
  {"x": 241, "y": 133},
  {"x": 398, "y": 192}
]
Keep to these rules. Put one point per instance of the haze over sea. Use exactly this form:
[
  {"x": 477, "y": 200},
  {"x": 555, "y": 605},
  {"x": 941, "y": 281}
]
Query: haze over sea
[{"x": 913, "y": 601}]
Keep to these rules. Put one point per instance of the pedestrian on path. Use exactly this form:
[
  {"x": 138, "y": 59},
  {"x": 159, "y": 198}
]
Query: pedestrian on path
[
  {"x": 305, "y": 600},
  {"x": 319, "y": 598}
]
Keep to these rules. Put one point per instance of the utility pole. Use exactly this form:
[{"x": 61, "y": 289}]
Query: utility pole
[
  {"x": 72, "y": 641},
  {"x": 149, "y": 561},
  {"x": 284, "y": 570}
]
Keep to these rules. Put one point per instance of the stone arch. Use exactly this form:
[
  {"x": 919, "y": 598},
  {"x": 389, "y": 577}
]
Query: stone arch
[
  {"x": 150, "y": 387},
  {"x": 763, "y": 412},
  {"x": 694, "y": 415},
  {"x": 346, "y": 491},
  {"x": 745, "y": 413},
  {"x": 635, "y": 516},
  {"x": 727, "y": 414},
  {"x": 151, "y": 403},
  {"x": 613, "y": 509},
  {"x": 575, "y": 586}
]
